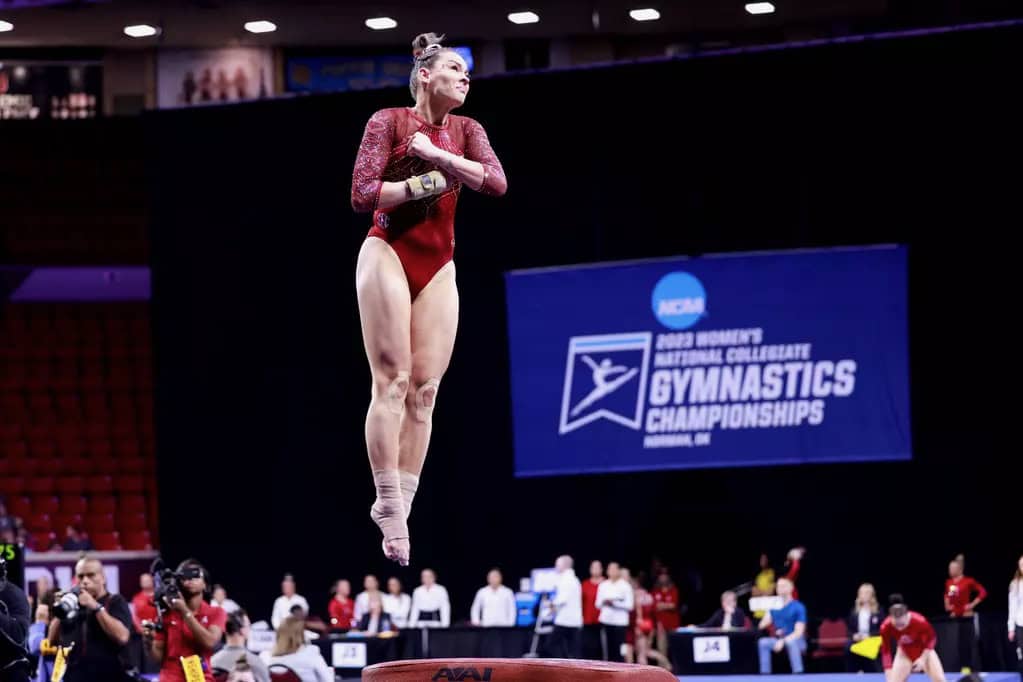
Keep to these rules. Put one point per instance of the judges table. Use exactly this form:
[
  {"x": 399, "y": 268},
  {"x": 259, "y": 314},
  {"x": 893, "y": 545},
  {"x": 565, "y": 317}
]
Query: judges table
[
  {"x": 349, "y": 653},
  {"x": 711, "y": 651}
]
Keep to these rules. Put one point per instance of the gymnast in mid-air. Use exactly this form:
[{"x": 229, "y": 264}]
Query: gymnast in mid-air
[{"x": 412, "y": 164}]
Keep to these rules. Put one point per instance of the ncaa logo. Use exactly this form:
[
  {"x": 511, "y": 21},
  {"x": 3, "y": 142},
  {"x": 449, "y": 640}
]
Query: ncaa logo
[{"x": 679, "y": 300}]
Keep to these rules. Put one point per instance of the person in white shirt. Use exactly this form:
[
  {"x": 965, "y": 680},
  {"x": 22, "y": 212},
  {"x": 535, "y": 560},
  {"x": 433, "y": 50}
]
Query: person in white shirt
[
  {"x": 396, "y": 603},
  {"x": 431, "y": 607},
  {"x": 220, "y": 599},
  {"x": 615, "y": 601},
  {"x": 1016, "y": 611},
  {"x": 370, "y": 591},
  {"x": 288, "y": 599},
  {"x": 567, "y": 605},
  {"x": 494, "y": 605},
  {"x": 291, "y": 651}
]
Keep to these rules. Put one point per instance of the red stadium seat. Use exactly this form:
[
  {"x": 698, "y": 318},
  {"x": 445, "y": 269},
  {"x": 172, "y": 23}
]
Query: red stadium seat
[
  {"x": 127, "y": 448},
  {"x": 43, "y": 540},
  {"x": 20, "y": 506},
  {"x": 12, "y": 402},
  {"x": 137, "y": 540},
  {"x": 123, "y": 431},
  {"x": 102, "y": 461},
  {"x": 121, "y": 379},
  {"x": 43, "y": 448},
  {"x": 22, "y": 465},
  {"x": 14, "y": 450},
  {"x": 99, "y": 522},
  {"x": 282, "y": 673},
  {"x": 40, "y": 485},
  {"x": 99, "y": 484},
  {"x": 832, "y": 639},
  {"x": 133, "y": 503},
  {"x": 131, "y": 484},
  {"x": 94, "y": 383},
  {"x": 39, "y": 522},
  {"x": 48, "y": 504},
  {"x": 102, "y": 504},
  {"x": 61, "y": 520},
  {"x": 40, "y": 401},
  {"x": 106, "y": 542},
  {"x": 78, "y": 465},
  {"x": 131, "y": 521},
  {"x": 95, "y": 401},
  {"x": 45, "y": 417},
  {"x": 39, "y": 432},
  {"x": 68, "y": 404},
  {"x": 73, "y": 504},
  {"x": 9, "y": 432},
  {"x": 132, "y": 465},
  {"x": 51, "y": 466},
  {"x": 97, "y": 431},
  {"x": 67, "y": 433},
  {"x": 70, "y": 449},
  {"x": 13, "y": 376},
  {"x": 11, "y": 485},
  {"x": 71, "y": 485}
]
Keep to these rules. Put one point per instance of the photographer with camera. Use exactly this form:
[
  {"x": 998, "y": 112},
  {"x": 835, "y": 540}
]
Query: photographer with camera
[
  {"x": 14, "y": 625},
  {"x": 191, "y": 626},
  {"x": 95, "y": 623}
]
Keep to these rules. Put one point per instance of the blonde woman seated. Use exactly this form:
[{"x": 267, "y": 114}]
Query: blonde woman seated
[
  {"x": 291, "y": 650},
  {"x": 376, "y": 621}
]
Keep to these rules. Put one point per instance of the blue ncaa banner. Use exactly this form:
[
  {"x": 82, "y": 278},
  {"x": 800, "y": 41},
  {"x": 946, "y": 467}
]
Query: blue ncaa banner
[{"x": 724, "y": 360}]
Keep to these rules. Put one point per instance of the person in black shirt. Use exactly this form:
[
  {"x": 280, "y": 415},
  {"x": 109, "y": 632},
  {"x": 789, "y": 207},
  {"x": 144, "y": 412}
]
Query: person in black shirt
[
  {"x": 14, "y": 624},
  {"x": 99, "y": 631},
  {"x": 729, "y": 616}
]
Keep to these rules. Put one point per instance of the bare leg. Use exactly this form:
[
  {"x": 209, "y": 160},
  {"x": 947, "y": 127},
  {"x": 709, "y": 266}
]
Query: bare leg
[
  {"x": 385, "y": 312},
  {"x": 662, "y": 640},
  {"x": 933, "y": 667},
  {"x": 901, "y": 668},
  {"x": 434, "y": 325},
  {"x": 642, "y": 647}
]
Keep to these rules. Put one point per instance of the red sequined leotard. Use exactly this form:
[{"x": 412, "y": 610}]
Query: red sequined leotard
[{"x": 421, "y": 232}]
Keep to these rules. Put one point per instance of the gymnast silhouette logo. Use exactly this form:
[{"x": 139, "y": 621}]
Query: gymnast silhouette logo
[{"x": 605, "y": 378}]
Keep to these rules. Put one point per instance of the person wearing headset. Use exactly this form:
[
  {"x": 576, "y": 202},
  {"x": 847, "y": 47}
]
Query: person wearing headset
[{"x": 192, "y": 627}]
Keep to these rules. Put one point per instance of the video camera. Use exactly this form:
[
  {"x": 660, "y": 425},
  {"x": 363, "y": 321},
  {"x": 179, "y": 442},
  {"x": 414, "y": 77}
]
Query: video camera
[{"x": 167, "y": 587}]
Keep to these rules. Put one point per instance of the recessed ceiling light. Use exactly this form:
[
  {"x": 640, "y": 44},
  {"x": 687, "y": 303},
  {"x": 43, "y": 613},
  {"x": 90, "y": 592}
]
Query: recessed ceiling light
[
  {"x": 760, "y": 8},
  {"x": 647, "y": 14},
  {"x": 261, "y": 26},
  {"x": 381, "y": 23},
  {"x": 523, "y": 17},
  {"x": 6, "y": 26},
  {"x": 141, "y": 30}
]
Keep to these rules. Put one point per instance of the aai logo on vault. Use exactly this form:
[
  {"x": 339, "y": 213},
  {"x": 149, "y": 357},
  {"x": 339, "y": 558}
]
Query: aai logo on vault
[
  {"x": 605, "y": 378},
  {"x": 679, "y": 300}
]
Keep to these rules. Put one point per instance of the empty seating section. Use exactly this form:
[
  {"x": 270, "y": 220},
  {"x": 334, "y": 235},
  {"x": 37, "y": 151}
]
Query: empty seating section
[{"x": 76, "y": 421}]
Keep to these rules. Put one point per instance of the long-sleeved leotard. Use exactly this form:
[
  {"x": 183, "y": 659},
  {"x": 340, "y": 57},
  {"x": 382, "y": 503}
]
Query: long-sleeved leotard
[
  {"x": 916, "y": 638},
  {"x": 421, "y": 232}
]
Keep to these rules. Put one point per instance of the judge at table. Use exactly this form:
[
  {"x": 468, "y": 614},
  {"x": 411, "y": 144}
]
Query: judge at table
[{"x": 729, "y": 616}]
